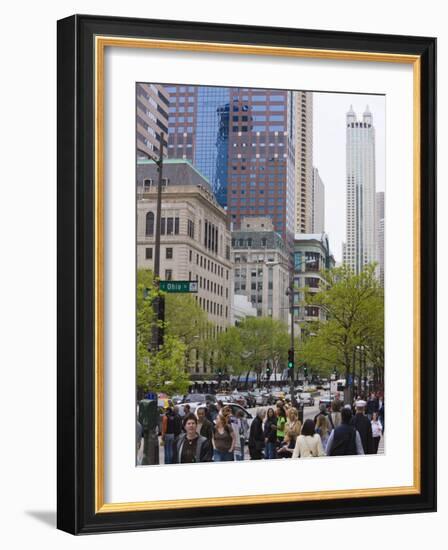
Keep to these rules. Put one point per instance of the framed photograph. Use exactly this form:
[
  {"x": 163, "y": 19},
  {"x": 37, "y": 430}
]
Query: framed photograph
[{"x": 246, "y": 274}]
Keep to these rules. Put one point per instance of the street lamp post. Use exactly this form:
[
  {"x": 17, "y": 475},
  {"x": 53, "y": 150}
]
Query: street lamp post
[
  {"x": 290, "y": 293},
  {"x": 159, "y": 301}
]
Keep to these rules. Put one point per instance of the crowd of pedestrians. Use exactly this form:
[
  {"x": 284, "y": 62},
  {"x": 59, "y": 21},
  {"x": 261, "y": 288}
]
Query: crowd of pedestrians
[{"x": 215, "y": 434}]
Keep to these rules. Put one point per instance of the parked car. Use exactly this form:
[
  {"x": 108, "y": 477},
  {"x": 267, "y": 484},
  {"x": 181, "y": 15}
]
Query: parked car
[
  {"x": 193, "y": 406},
  {"x": 327, "y": 401},
  {"x": 177, "y": 399},
  {"x": 199, "y": 397},
  {"x": 222, "y": 397},
  {"x": 250, "y": 398},
  {"x": 235, "y": 408},
  {"x": 307, "y": 399}
]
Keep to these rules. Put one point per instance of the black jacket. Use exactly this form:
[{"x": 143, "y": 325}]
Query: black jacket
[
  {"x": 203, "y": 449},
  {"x": 344, "y": 441},
  {"x": 364, "y": 427},
  {"x": 177, "y": 424},
  {"x": 207, "y": 429},
  {"x": 256, "y": 435},
  {"x": 372, "y": 406},
  {"x": 270, "y": 430}
]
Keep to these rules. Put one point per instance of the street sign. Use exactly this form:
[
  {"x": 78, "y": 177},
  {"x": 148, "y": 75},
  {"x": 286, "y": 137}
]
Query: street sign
[{"x": 178, "y": 286}]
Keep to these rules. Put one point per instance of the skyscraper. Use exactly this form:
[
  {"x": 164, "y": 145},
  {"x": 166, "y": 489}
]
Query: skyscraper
[
  {"x": 199, "y": 130},
  {"x": 380, "y": 234},
  {"x": 261, "y": 174},
  {"x": 318, "y": 201},
  {"x": 360, "y": 247},
  {"x": 304, "y": 162},
  {"x": 243, "y": 141},
  {"x": 152, "y": 119}
]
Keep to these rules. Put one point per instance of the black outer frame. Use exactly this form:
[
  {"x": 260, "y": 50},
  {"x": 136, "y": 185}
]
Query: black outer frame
[{"x": 75, "y": 404}]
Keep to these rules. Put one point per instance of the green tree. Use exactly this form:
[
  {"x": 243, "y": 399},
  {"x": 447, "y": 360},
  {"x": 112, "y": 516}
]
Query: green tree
[
  {"x": 354, "y": 307},
  {"x": 252, "y": 343},
  {"x": 229, "y": 352},
  {"x": 163, "y": 370},
  {"x": 189, "y": 323}
]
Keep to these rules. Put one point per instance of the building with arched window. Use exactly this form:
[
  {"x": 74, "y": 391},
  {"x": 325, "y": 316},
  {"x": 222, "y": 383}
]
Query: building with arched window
[{"x": 195, "y": 239}]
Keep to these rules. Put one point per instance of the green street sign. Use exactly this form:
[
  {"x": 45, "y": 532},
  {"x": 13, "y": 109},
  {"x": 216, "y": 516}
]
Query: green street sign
[{"x": 178, "y": 286}]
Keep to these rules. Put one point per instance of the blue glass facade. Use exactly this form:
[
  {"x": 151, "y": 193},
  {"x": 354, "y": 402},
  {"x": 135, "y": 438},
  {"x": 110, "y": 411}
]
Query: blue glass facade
[{"x": 212, "y": 138}]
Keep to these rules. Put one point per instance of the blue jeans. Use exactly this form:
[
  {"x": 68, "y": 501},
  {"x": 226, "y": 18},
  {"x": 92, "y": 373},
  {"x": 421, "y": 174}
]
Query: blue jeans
[
  {"x": 222, "y": 456},
  {"x": 240, "y": 455},
  {"x": 270, "y": 450},
  {"x": 168, "y": 446}
]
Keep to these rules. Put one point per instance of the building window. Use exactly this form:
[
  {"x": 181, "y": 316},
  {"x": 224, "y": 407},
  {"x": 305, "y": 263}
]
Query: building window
[
  {"x": 149, "y": 224},
  {"x": 311, "y": 311},
  {"x": 191, "y": 255},
  {"x": 312, "y": 261},
  {"x": 148, "y": 253},
  {"x": 168, "y": 274},
  {"x": 190, "y": 229},
  {"x": 312, "y": 282},
  {"x": 169, "y": 253}
]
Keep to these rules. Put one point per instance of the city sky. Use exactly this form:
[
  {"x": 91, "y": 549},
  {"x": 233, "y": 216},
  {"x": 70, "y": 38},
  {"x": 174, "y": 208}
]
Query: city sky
[{"x": 330, "y": 111}]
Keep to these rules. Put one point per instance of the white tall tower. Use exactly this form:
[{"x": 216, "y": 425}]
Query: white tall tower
[
  {"x": 303, "y": 161},
  {"x": 380, "y": 234},
  {"x": 361, "y": 235}
]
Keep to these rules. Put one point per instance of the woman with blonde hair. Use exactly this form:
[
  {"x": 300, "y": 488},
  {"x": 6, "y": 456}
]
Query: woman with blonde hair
[
  {"x": 309, "y": 443},
  {"x": 323, "y": 428},
  {"x": 293, "y": 423}
]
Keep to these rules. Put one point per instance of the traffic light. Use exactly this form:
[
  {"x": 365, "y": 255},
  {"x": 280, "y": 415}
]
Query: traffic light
[
  {"x": 290, "y": 359},
  {"x": 305, "y": 371},
  {"x": 268, "y": 370}
]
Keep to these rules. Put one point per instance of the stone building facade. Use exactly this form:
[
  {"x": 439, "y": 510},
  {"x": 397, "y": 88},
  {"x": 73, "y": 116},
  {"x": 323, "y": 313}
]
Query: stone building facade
[
  {"x": 261, "y": 267},
  {"x": 195, "y": 240}
]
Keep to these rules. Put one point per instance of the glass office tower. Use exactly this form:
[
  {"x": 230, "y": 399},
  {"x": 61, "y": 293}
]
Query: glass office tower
[{"x": 212, "y": 138}]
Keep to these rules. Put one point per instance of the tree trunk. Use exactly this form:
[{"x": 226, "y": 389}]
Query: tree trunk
[{"x": 246, "y": 385}]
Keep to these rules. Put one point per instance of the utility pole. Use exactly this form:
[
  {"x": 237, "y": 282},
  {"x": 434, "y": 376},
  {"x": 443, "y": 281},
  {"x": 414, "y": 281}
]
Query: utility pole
[{"x": 159, "y": 301}]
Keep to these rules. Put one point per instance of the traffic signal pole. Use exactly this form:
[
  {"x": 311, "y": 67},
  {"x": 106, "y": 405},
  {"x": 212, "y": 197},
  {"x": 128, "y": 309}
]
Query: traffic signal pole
[
  {"x": 291, "y": 303},
  {"x": 158, "y": 304}
]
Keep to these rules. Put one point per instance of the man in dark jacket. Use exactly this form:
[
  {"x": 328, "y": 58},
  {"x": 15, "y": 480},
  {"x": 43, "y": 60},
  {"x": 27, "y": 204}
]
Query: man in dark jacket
[
  {"x": 372, "y": 406},
  {"x": 205, "y": 427},
  {"x": 177, "y": 421},
  {"x": 344, "y": 440},
  {"x": 364, "y": 427},
  {"x": 190, "y": 447},
  {"x": 256, "y": 436}
]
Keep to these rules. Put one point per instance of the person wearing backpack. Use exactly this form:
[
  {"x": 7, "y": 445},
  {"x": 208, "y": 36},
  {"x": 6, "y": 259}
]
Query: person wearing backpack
[{"x": 345, "y": 439}]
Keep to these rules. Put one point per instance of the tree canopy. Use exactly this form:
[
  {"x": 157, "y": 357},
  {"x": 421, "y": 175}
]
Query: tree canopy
[
  {"x": 164, "y": 370},
  {"x": 354, "y": 307}
]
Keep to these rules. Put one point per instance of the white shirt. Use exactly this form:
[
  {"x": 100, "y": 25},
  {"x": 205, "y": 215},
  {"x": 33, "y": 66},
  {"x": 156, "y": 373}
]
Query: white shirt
[
  {"x": 308, "y": 446},
  {"x": 377, "y": 429}
]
